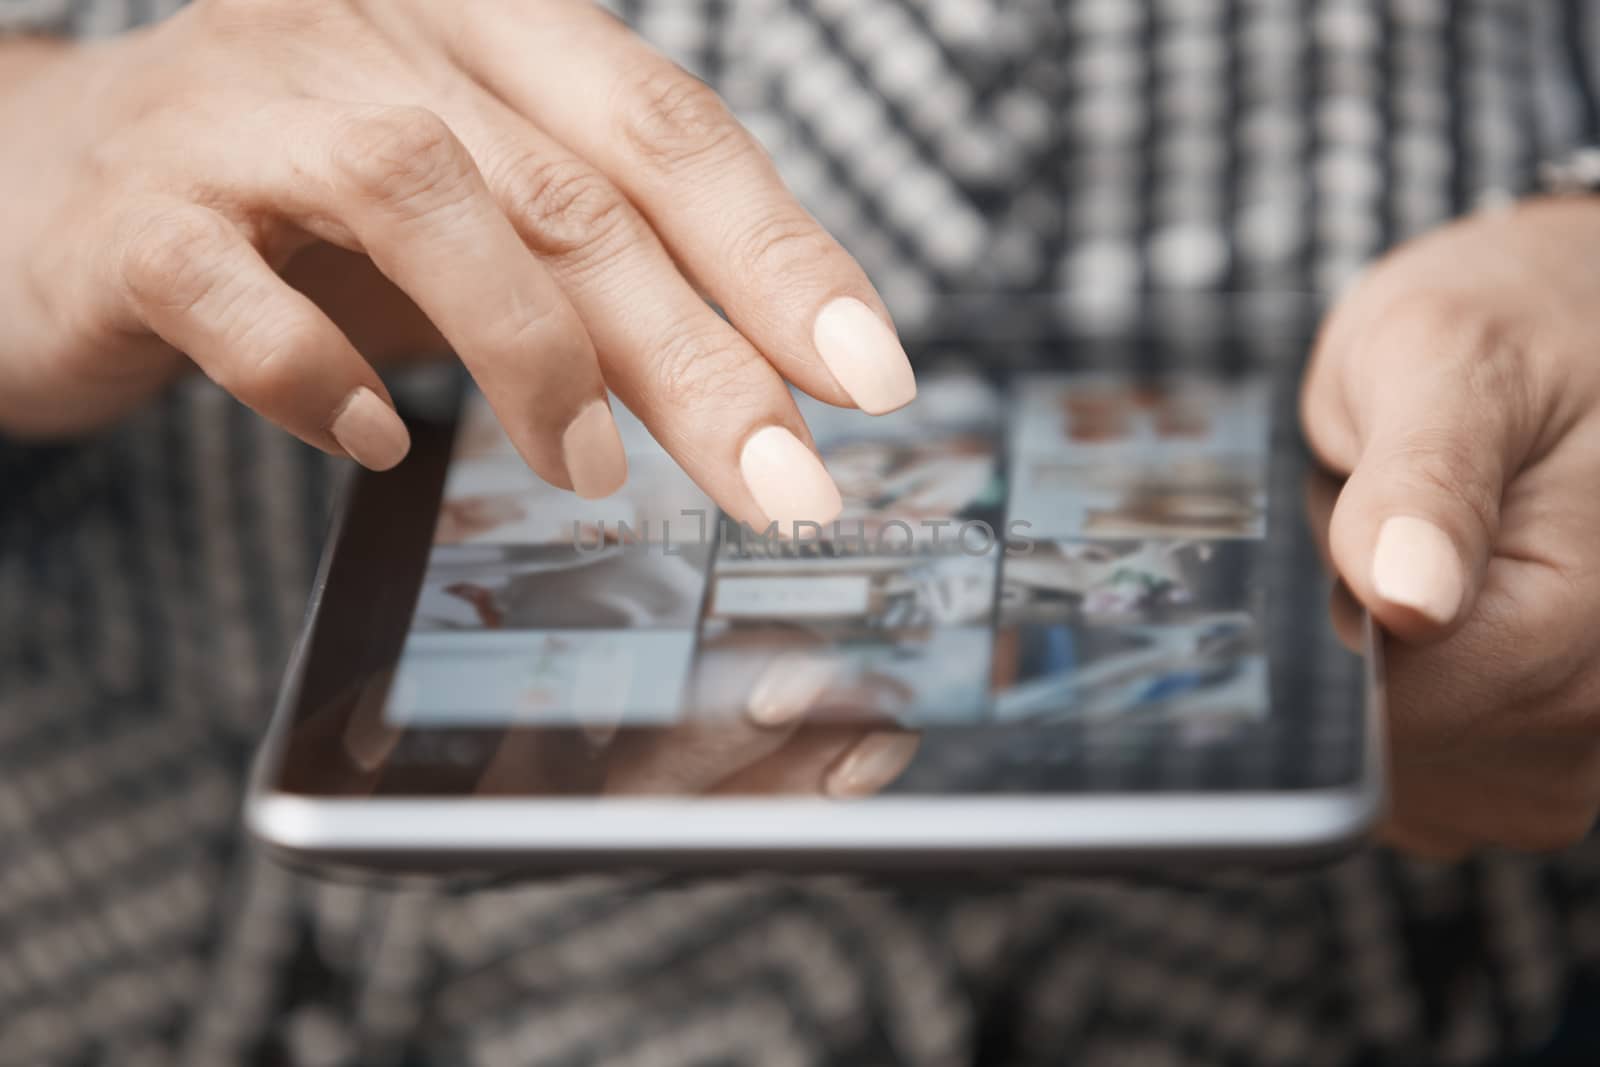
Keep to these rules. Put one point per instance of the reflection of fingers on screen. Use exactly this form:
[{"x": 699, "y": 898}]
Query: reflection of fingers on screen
[{"x": 866, "y": 695}]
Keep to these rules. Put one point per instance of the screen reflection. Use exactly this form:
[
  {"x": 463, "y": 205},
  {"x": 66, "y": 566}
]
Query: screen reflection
[{"x": 1050, "y": 582}]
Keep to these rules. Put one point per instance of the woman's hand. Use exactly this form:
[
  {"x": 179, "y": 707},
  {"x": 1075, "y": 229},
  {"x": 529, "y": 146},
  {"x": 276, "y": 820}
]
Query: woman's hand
[
  {"x": 552, "y": 195},
  {"x": 1458, "y": 385}
]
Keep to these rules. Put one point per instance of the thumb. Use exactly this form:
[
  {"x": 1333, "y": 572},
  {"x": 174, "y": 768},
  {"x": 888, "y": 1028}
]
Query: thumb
[{"x": 1415, "y": 525}]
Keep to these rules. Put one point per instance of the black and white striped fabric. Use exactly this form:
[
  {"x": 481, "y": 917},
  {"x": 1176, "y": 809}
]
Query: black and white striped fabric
[{"x": 1091, "y": 153}]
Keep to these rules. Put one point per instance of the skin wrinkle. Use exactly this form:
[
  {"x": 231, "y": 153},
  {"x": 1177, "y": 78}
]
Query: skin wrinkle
[
  {"x": 395, "y": 157},
  {"x": 1435, "y": 464},
  {"x": 567, "y": 211},
  {"x": 159, "y": 260},
  {"x": 673, "y": 124},
  {"x": 1451, "y": 319}
]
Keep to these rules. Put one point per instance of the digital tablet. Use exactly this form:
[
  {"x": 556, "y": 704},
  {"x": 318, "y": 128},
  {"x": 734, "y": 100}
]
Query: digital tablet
[{"x": 1072, "y": 617}]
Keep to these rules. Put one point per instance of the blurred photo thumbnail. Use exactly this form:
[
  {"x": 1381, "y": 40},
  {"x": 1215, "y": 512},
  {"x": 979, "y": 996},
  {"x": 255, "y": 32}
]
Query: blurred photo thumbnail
[
  {"x": 1119, "y": 415},
  {"x": 1197, "y": 497},
  {"x": 500, "y": 501},
  {"x": 571, "y": 677},
  {"x": 1207, "y": 668},
  {"x": 926, "y": 489},
  {"x": 871, "y": 592},
  {"x": 516, "y": 587},
  {"x": 493, "y": 498},
  {"x": 1136, "y": 581},
  {"x": 949, "y": 402}
]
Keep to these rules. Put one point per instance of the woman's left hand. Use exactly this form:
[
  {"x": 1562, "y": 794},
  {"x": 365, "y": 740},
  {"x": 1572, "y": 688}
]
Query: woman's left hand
[{"x": 1458, "y": 386}]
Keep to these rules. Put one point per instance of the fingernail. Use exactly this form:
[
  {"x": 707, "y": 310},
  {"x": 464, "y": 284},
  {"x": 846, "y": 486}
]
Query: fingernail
[
  {"x": 788, "y": 688},
  {"x": 872, "y": 764},
  {"x": 864, "y": 356},
  {"x": 1416, "y": 566},
  {"x": 592, "y": 448},
  {"x": 370, "y": 431},
  {"x": 787, "y": 480}
]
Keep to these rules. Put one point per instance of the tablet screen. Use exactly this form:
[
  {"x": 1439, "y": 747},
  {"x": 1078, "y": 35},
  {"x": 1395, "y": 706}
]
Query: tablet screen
[{"x": 1050, "y": 579}]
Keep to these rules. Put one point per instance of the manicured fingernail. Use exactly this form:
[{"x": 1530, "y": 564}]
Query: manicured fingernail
[
  {"x": 1416, "y": 566},
  {"x": 872, "y": 764},
  {"x": 787, "y": 480},
  {"x": 370, "y": 431},
  {"x": 864, "y": 356},
  {"x": 789, "y": 687},
  {"x": 592, "y": 448}
]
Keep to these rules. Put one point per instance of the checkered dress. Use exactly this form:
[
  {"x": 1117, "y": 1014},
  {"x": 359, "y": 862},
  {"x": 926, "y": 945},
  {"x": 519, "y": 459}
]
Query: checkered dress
[{"x": 1107, "y": 153}]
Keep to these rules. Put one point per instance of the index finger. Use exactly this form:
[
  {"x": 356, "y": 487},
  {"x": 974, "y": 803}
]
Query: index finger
[
  {"x": 396, "y": 184},
  {"x": 708, "y": 189}
]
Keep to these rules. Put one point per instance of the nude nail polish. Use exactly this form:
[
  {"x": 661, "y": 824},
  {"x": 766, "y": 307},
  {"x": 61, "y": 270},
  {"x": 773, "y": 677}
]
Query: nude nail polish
[
  {"x": 789, "y": 483},
  {"x": 864, "y": 356},
  {"x": 789, "y": 687},
  {"x": 875, "y": 761},
  {"x": 1415, "y": 565},
  {"x": 592, "y": 449},
  {"x": 370, "y": 431}
]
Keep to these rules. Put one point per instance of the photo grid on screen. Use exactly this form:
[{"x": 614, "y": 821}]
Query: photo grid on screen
[{"x": 1078, "y": 546}]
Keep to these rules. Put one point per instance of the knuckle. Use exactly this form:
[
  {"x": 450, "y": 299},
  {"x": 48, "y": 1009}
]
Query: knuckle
[
  {"x": 783, "y": 245},
  {"x": 1426, "y": 319},
  {"x": 269, "y": 372},
  {"x": 169, "y": 260},
  {"x": 694, "y": 369},
  {"x": 1433, "y": 321},
  {"x": 564, "y": 208},
  {"x": 400, "y": 156},
  {"x": 1485, "y": 353},
  {"x": 1443, "y": 464},
  {"x": 671, "y": 119}
]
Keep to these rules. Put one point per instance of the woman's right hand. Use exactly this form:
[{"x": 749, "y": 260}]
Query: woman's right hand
[{"x": 548, "y": 192}]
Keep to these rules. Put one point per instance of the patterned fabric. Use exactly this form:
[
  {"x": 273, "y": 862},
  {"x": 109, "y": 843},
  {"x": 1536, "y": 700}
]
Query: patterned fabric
[{"x": 1109, "y": 150}]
